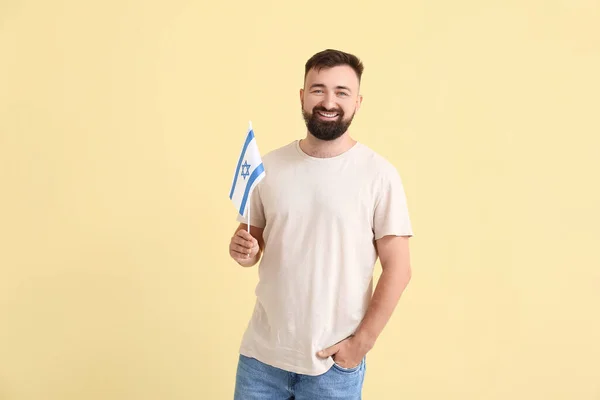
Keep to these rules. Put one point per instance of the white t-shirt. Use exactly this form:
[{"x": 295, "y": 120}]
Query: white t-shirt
[{"x": 320, "y": 218}]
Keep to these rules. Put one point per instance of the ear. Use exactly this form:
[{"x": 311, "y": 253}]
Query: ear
[
  {"x": 359, "y": 102},
  {"x": 301, "y": 95}
]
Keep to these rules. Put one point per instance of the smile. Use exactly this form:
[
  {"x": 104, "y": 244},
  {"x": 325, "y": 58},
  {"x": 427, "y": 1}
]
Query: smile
[{"x": 327, "y": 115}]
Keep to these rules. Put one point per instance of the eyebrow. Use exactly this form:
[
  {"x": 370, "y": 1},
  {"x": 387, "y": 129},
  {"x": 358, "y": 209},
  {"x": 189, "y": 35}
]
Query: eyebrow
[{"x": 320, "y": 85}]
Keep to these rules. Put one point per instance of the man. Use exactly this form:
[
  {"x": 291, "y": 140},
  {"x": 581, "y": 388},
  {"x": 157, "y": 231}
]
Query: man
[{"x": 327, "y": 208}]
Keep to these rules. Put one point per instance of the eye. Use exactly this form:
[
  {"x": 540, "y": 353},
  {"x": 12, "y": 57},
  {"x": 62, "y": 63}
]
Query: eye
[
  {"x": 317, "y": 91},
  {"x": 343, "y": 94}
]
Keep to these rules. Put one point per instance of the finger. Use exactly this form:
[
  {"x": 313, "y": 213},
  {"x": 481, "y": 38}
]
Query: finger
[
  {"x": 329, "y": 351},
  {"x": 239, "y": 256},
  {"x": 241, "y": 249},
  {"x": 242, "y": 242},
  {"x": 245, "y": 235}
]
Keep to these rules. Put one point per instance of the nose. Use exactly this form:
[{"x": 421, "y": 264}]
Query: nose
[{"x": 328, "y": 101}]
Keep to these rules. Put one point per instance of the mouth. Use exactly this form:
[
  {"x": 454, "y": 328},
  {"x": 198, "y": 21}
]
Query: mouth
[{"x": 328, "y": 115}]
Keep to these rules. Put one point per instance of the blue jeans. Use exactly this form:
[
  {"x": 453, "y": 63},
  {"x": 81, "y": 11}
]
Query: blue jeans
[{"x": 258, "y": 381}]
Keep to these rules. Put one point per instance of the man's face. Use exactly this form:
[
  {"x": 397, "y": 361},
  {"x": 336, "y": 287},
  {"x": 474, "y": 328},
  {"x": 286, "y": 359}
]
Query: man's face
[{"x": 329, "y": 101}]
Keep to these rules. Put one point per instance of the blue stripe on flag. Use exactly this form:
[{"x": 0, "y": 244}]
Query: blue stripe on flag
[
  {"x": 237, "y": 170},
  {"x": 255, "y": 174}
]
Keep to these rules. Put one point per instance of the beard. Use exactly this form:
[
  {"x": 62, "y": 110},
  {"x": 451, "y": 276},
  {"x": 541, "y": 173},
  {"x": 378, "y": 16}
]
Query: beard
[{"x": 326, "y": 130}]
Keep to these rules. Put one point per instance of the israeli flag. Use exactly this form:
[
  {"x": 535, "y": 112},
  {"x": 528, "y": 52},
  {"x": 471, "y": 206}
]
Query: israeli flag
[{"x": 249, "y": 172}]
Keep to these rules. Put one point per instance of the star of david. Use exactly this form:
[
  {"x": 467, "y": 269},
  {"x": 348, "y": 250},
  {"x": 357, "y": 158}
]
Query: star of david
[{"x": 245, "y": 169}]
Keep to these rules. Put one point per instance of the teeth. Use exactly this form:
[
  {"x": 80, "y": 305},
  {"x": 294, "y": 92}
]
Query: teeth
[{"x": 328, "y": 115}]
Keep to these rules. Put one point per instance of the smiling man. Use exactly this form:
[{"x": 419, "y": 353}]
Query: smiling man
[{"x": 326, "y": 210}]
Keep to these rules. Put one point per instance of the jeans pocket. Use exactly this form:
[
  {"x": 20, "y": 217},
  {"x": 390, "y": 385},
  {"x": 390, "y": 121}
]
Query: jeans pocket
[{"x": 347, "y": 370}]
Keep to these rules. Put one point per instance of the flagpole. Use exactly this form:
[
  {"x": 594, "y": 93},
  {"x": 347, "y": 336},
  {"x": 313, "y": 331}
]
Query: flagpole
[
  {"x": 249, "y": 203},
  {"x": 250, "y": 195}
]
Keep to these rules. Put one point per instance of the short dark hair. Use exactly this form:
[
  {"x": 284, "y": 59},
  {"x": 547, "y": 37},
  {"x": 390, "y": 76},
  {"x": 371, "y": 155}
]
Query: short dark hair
[{"x": 332, "y": 58}]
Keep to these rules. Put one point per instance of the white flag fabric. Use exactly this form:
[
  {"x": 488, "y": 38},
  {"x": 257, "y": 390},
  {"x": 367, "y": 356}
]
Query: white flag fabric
[{"x": 249, "y": 172}]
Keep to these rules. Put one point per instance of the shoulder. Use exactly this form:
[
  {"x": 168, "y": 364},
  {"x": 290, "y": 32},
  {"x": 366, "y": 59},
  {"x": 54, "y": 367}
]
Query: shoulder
[
  {"x": 275, "y": 162},
  {"x": 377, "y": 163},
  {"x": 279, "y": 154}
]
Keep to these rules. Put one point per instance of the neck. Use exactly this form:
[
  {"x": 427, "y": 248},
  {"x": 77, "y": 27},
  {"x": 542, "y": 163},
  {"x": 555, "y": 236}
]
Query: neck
[{"x": 326, "y": 148}]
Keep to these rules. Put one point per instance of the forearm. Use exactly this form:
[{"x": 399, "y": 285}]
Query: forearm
[{"x": 392, "y": 282}]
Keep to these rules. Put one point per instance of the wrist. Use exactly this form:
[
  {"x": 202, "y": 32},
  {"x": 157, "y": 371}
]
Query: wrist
[{"x": 364, "y": 339}]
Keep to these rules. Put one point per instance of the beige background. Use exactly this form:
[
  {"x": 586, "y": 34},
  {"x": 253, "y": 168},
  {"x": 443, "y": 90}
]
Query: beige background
[{"x": 120, "y": 126}]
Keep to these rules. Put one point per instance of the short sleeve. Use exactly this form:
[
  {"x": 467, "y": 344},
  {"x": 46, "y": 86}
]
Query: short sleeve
[
  {"x": 257, "y": 213},
  {"x": 391, "y": 215}
]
